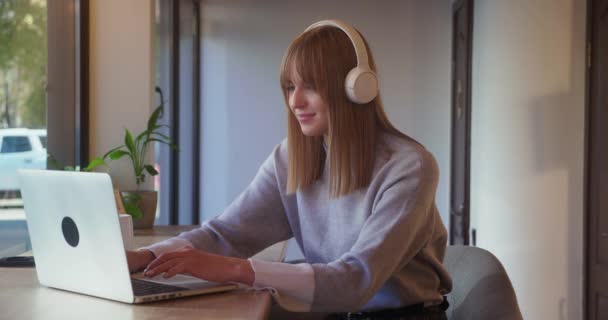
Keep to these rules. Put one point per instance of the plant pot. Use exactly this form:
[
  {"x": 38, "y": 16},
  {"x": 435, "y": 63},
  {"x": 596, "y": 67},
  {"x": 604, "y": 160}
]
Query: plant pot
[{"x": 147, "y": 203}]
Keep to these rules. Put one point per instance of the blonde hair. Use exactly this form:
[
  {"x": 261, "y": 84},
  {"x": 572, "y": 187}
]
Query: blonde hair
[{"x": 321, "y": 58}]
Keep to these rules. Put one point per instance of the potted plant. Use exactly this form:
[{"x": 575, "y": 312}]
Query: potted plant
[{"x": 140, "y": 204}]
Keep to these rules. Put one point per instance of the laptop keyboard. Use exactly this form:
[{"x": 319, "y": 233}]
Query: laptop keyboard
[{"x": 144, "y": 288}]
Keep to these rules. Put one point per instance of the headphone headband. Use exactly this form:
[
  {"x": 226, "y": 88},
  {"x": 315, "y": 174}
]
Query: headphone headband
[
  {"x": 361, "y": 83},
  {"x": 355, "y": 38}
]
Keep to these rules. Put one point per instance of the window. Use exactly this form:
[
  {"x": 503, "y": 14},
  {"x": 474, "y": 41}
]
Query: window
[
  {"x": 178, "y": 75},
  {"x": 42, "y": 141},
  {"x": 15, "y": 144},
  {"x": 32, "y": 32},
  {"x": 23, "y": 56}
]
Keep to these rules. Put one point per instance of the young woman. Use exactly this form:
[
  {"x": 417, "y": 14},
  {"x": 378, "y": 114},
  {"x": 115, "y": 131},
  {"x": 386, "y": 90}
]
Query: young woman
[{"x": 356, "y": 194}]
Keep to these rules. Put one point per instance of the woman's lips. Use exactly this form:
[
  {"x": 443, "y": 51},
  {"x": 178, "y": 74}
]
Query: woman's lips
[{"x": 305, "y": 116}]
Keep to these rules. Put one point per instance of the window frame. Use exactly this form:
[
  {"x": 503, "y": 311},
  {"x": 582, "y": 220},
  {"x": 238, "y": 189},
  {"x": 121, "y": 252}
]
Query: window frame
[{"x": 67, "y": 81}]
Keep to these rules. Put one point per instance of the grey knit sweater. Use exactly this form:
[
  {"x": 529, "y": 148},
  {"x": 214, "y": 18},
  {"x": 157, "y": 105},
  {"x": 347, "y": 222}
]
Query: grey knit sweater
[{"x": 378, "y": 247}]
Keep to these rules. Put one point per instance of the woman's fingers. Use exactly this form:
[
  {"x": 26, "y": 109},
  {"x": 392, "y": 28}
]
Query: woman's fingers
[
  {"x": 163, "y": 258},
  {"x": 177, "y": 268},
  {"x": 160, "y": 268},
  {"x": 171, "y": 263}
]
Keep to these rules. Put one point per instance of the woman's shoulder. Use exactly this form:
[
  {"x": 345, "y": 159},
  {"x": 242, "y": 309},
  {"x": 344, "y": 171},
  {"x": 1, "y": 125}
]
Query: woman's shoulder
[
  {"x": 403, "y": 155},
  {"x": 278, "y": 156},
  {"x": 280, "y": 150}
]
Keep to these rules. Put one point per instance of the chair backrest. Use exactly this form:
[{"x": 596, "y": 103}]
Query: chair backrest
[{"x": 481, "y": 286}]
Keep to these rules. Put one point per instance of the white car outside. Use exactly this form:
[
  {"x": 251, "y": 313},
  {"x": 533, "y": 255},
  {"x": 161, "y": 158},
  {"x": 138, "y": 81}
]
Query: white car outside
[{"x": 20, "y": 148}]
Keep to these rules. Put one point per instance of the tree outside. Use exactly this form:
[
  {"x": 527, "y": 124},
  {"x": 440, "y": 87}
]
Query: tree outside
[{"x": 23, "y": 48}]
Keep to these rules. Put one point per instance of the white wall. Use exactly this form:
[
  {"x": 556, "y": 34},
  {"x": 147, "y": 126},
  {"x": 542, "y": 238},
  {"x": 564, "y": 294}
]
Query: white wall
[
  {"x": 528, "y": 148},
  {"x": 243, "y": 113},
  {"x": 121, "y": 78}
]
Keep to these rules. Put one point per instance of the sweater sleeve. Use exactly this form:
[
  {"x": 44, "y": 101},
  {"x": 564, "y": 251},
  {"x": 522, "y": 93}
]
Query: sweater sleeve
[
  {"x": 291, "y": 285},
  {"x": 255, "y": 220},
  {"x": 398, "y": 228}
]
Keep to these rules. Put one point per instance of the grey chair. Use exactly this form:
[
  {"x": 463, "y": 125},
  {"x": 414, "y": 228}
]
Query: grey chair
[{"x": 481, "y": 287}]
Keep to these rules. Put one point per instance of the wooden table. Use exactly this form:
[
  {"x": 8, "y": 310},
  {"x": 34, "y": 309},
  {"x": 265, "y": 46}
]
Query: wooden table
[{"x": 21, "y": 296}]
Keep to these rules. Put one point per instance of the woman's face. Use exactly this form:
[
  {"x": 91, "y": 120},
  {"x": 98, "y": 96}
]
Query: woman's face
[{"x": 308, "y": 107}]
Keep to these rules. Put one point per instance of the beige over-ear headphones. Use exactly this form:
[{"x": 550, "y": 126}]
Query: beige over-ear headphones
[{"x": 361, "y": 82}]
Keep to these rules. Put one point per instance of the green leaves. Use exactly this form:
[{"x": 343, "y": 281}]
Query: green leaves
[
  {"x": 95, "y": 163},
  {"x": 160, "y": 93},
  {"x": 23, "y": 60},
  {"x": 117, "y": 154},
  {"x": 129, "y": 141},
  {"x": 131, "y": 203},
  {"x": 151, "y": 170},
  {"x": 153, "y": 119}
]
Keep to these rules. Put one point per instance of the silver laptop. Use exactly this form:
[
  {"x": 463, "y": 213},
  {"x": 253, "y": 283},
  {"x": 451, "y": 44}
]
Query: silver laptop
[{"x": 77, "y": 243}]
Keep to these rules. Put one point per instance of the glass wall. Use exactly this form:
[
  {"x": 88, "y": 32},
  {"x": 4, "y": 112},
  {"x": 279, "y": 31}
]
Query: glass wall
[
  {"x": 177, "y": 56},
  {"x": 23, "y": 111}
]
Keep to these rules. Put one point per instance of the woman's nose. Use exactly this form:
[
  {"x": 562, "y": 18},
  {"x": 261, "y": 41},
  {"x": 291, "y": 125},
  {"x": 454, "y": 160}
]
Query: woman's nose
[{"x": 297, "y": 99}]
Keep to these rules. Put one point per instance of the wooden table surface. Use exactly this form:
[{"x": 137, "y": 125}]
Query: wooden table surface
[{"x": 21, "y": 296}]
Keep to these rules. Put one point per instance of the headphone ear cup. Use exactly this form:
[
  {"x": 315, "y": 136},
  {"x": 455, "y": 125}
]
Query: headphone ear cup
[{"x": 361, "y": 85}]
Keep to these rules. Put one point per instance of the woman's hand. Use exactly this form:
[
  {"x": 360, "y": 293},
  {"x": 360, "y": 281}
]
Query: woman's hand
[
  {"x": 203, "y": 265},
  {"x": 139, "y": 259}
]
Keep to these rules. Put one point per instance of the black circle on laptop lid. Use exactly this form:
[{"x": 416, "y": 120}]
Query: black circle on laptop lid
[{"x": 70, "y": 231}]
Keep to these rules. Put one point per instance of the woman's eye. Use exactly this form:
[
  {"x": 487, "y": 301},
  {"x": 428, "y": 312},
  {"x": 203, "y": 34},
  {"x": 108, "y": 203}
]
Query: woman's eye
[{"x": 290, "y": 88}]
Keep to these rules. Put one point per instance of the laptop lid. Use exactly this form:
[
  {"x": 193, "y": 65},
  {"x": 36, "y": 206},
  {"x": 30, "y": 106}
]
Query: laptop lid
[{"x": 75, "y": 232}]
